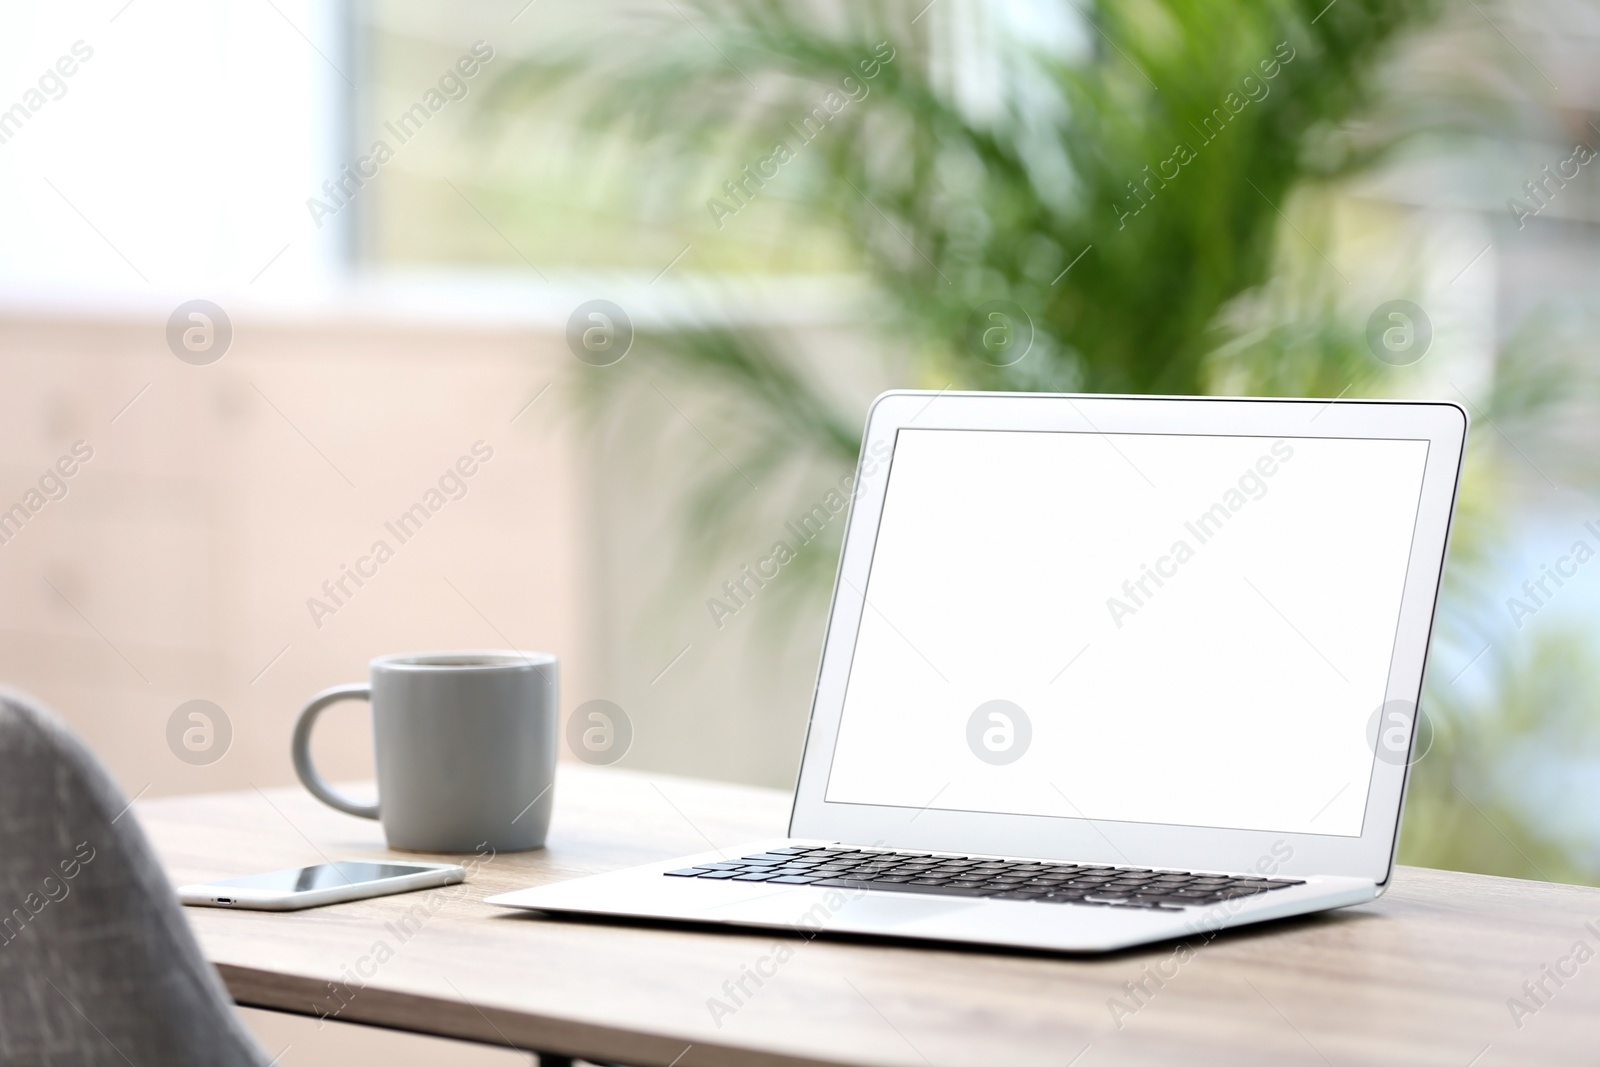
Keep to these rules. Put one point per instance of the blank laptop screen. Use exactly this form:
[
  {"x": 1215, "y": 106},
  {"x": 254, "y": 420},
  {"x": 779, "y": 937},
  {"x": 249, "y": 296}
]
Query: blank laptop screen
[{"x": 1185, "y": 630}]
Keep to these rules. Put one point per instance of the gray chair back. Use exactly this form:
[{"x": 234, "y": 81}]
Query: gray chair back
[{"x": 97, "y": 964}]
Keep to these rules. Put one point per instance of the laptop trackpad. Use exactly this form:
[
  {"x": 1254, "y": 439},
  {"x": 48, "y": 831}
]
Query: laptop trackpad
[
  {"x": 895, "y": 909},
  {"x": 874, "y": 910}
]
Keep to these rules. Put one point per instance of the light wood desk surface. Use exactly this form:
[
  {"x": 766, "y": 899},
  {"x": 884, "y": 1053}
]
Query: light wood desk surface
[{"x": 1422, "y": 976}]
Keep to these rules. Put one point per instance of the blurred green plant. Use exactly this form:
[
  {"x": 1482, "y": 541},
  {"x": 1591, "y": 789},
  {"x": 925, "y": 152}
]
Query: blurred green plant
[
  {"x": 1149, "y": 183},
  {"x": 1123, "y": 188},
  {"x": 1490, "y": 795}
]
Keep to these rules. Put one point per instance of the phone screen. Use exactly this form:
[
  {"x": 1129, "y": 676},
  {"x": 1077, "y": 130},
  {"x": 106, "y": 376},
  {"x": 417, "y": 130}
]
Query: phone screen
[{"x": 323, "y": 876}]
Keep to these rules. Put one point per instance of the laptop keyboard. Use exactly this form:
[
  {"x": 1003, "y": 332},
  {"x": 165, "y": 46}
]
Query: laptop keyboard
[{"x": 976, "y": 876}]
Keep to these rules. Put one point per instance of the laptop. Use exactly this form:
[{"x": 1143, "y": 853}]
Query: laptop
[{"x": 1099, "y": 671}]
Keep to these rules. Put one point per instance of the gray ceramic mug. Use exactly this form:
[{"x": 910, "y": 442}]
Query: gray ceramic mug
[{"x": 465, "y": 745}]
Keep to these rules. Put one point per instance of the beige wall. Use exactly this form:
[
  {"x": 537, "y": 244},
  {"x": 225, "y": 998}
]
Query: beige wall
[
  {"x": 179, "y": 564},
  {"x": 184, "y": 552}
]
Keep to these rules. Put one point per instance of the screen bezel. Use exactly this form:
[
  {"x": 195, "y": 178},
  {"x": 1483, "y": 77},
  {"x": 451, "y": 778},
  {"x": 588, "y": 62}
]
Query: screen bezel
[{"x": 1370, "y": 855}]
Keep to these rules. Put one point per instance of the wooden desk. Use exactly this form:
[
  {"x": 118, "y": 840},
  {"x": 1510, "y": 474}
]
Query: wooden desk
[{"x": 1422, "y": 976}]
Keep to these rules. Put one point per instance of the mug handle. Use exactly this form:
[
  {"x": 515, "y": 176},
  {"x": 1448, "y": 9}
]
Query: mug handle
[{"x": 301, "y": 749}]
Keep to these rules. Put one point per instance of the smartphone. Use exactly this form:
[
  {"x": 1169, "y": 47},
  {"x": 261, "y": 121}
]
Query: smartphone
[{"x": 326, "y": 883}]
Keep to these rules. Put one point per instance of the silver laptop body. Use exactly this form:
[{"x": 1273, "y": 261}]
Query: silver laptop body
[{"x": 1099, "y": 671}]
